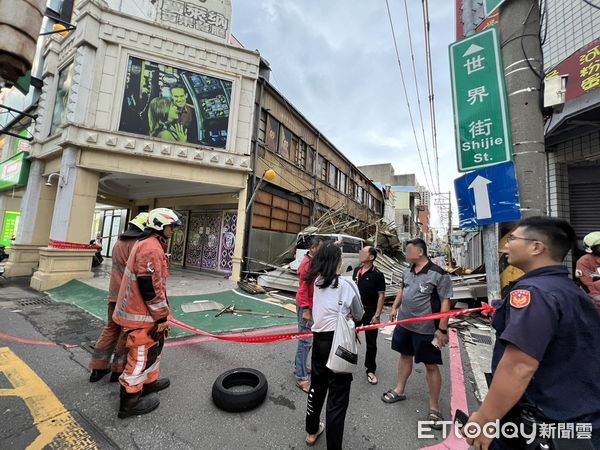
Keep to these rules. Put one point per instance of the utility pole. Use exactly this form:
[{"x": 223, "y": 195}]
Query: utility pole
[{"x": 523, "y": 72}]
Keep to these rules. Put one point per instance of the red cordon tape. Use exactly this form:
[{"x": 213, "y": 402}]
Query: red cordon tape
[
  {"x": 72, "y": 245},
  {"x": 20, "y": 340},
  {"x": 270, "y": 338}
]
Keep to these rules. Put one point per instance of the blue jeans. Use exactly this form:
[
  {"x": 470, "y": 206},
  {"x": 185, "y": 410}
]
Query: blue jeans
[{"x": 304, "y": 346}]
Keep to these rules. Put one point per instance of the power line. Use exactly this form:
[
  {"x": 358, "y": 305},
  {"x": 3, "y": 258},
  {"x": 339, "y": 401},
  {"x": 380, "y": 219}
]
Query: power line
[
  {"x": 426, "y": 26},
  {"x": 406, "y": 95},
  {"x": 591, "y": 4},
  {"x": 414, "y": 70}
]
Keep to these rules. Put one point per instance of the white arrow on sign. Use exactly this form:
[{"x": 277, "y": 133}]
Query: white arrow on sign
[
  {"x": 473, "y": 48},
  {"x": 482, "y": 197}
]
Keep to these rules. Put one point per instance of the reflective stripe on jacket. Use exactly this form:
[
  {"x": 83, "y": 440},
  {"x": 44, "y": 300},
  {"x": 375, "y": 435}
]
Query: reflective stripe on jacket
[
  {"x": 147, "y": 259},
  {"x": 120, "y": 254}
]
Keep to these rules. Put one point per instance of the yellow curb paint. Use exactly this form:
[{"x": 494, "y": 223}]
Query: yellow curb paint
[{"x": 57, "y": 427}]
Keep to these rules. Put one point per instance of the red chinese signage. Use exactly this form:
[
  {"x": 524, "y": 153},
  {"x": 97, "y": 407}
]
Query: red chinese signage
[
  {"x": 582, "y": 69},
  {"x": 494, "y": 19}
]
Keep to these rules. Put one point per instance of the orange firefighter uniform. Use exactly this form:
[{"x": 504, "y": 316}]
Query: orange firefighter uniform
[
  {"x": 142, "y": 311},
  {"x": 111, "y": 340}
]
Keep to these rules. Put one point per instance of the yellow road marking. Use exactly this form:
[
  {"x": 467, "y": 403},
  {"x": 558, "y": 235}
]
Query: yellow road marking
[{"x": 57, "y": 427}]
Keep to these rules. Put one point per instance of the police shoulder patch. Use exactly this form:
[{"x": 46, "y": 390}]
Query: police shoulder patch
[{"x": 520, "y": 298}]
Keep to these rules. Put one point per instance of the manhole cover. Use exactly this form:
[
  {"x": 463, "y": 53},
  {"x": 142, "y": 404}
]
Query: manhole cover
[
  {"x": 35, "y": 301},
  {"x": 481, "y": 338}
]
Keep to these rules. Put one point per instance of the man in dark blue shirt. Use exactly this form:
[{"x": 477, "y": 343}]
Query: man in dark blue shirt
[{"x": 547, "y": 352}]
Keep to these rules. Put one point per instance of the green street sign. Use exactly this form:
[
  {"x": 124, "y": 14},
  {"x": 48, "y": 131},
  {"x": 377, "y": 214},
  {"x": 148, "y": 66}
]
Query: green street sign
[
  {"x": 481, "y": 117},
  {"x": 14, "y": 171},
  {"x": 489, "y": 6}
]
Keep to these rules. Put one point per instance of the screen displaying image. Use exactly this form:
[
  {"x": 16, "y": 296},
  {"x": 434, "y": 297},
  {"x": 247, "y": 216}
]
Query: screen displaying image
[{"x": 175, "y": 105}]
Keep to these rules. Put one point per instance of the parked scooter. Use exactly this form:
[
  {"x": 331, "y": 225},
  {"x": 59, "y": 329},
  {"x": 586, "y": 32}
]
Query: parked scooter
[{"x": 97, "y": 258}]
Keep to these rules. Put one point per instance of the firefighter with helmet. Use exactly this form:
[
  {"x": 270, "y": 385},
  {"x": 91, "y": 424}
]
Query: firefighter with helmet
[
  {"x": 588, "y": 266},
  {"x": 142, "y": 311},
  {"x": 111, "y": 342}
]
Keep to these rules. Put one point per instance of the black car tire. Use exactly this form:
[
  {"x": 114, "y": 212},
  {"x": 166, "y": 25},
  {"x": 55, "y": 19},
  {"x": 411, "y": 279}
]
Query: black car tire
[{"x": 234, "y": 401}]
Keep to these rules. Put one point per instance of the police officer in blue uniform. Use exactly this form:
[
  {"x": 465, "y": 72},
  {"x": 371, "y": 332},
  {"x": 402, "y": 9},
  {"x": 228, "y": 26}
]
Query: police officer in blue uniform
[{"x": 546, "y": 361}]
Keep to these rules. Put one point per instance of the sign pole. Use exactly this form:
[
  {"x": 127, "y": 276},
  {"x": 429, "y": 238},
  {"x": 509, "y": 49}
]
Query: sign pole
[{"x": 490, "y": 259}]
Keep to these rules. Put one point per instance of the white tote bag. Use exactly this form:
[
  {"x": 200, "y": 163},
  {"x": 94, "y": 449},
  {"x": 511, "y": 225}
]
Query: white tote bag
[{"x": 343, "y": 356}]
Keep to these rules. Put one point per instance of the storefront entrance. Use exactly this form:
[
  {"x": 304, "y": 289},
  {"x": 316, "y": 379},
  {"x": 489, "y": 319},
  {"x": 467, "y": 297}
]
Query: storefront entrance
[
  {"x": 206, "y": 241},
  {"x": 108, "y": 225}
]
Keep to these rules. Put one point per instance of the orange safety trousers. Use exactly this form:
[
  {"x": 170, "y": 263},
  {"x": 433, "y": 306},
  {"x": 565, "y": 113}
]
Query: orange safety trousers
[
  {"x": 110, "y": 343},
  {"x": 143, "y": 359}
]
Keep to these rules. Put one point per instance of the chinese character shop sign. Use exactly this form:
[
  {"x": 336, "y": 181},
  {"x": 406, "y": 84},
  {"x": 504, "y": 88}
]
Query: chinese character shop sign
[
  {"x": 14, "y": 171},
  {"x": 481, "y": 118},
  {"x": 208, "y": 18},
  {"x": 582, "y": 70}
]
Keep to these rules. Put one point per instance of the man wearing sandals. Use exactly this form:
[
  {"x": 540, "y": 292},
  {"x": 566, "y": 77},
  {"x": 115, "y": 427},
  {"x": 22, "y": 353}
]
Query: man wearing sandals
[
  {"x": 371, "y": 284},
  {"x": 427, "y": 289}
]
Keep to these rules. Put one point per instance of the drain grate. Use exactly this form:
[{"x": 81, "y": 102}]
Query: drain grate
[
  {"x": 481, "y": 338},
  {"x": 35, "y": 301}
]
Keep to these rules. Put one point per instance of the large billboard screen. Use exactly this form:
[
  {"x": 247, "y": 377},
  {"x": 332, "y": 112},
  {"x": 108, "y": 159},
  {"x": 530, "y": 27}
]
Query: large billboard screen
[{"x": 175, "y": 105}]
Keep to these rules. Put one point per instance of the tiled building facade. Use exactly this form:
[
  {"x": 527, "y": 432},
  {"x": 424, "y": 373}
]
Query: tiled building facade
[{"x": 572, "y": 136}]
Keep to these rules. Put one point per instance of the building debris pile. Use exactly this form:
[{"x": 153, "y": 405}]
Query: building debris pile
[{"x": 391, "y": 260}]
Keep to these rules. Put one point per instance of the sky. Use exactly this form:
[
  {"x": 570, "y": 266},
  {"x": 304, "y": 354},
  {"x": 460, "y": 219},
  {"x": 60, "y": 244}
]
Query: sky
[{"x": 335, "y": 61}]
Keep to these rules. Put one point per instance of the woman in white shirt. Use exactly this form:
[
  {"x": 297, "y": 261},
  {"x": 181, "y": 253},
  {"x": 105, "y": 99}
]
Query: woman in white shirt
[{"x": 330, "y": 289}]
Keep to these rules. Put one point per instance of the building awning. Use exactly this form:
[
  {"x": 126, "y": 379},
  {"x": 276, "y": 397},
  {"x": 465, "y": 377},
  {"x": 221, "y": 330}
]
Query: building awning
[{"x": 579, "y": 116}]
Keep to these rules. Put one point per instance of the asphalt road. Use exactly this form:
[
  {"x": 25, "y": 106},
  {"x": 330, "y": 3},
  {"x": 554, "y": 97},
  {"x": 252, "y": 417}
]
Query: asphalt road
[{"x": 187, "y": 417}]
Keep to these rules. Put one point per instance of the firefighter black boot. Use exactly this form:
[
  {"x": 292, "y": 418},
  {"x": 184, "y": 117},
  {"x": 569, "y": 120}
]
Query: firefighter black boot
[
  {"x": 135, "y": 405},
  {"x": 158, "y": 385},
  {"x": 98, "y": 374}
]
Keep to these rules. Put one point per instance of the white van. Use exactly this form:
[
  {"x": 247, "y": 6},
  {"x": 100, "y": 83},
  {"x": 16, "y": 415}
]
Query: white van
[{"x": 350, "y": 247}]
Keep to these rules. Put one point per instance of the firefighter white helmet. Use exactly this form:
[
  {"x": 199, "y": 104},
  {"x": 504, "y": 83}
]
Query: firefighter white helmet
[
  {"x": 140, "y": 220},
  {"x": 160, "y": 217},
  {"x": 591, "y": 240}
]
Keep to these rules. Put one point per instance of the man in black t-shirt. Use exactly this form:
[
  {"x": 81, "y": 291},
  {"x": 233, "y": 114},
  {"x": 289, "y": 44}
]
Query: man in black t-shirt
[{"x": 371, "y": 284}]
